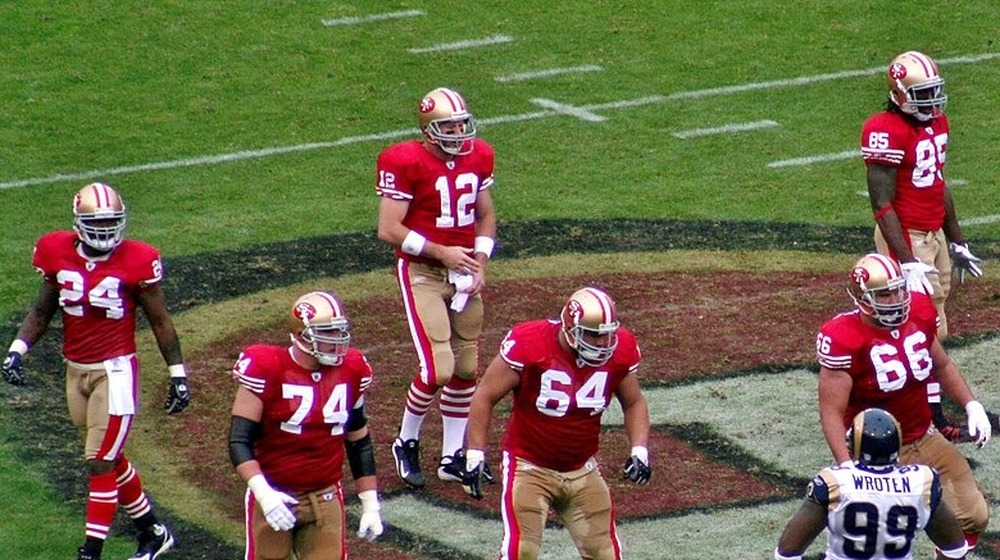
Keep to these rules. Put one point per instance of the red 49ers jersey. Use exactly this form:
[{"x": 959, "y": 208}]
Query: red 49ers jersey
[
  {"x": 556, "y": 417},
  {"x": 301, "y": 447},
  {"x": 442, "y": 194},
  {"x": 98, "y": 297},
  {"x": 918, "y": 152},
  {"x": 890, "y": 368}
]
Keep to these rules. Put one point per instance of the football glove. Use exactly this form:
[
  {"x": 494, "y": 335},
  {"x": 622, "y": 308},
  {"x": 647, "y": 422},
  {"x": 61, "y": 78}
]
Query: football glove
[
  {"x": 274, "y": 504},
  {"x": 13, "y": 371},
  {"x": 371, "y": 521},
  {"x": 178, "y": 396},
  {"x": 965, "y": 261},
  {"x": 916, "y": 276},
  {"x": 476, "y": 472},
  {"x": 979, "y": 423},
  {"x": 637, "y": 467}
]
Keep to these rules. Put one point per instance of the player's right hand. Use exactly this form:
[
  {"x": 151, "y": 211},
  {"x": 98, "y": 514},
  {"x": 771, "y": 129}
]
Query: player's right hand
[
  {"x": 13, "y": 371},
  {"x": 273, "y": 503},
  {"x": 475, "y": 473},
  {"x": 916, "y": 276}
]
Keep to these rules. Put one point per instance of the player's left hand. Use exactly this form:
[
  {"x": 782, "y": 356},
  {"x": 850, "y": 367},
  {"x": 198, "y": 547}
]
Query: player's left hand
[
  {"x": 178, "y": 396},
  {"x": 965, "y": 261},
  {"x": 371, "y": 521},
  {"x": 13, "y": 371},
  {"x": 979, "y": 423},
  {"x": 637, "y": 467}
]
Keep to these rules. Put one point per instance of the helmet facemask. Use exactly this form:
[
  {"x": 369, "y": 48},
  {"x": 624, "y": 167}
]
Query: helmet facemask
[
  {"x": 454, "y": 136},
  {"x": 314, "y": 339}
]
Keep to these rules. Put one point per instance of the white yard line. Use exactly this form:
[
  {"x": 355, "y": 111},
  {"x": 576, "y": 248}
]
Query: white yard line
[
  {"x": 725, "y": 129},
  {"x": 622, "y": 104},
  {"x": 569, "y": 110},
  {"x": 468, "y": 44},
  {"x": 524, "y": 76},
  {"x": 821, "y": 158},
  {"x": 371, "y": 18}
]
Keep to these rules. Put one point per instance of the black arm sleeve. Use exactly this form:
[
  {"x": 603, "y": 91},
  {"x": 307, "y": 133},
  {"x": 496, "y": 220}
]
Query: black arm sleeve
[
  {"x": 361, "y": 456},
  {"x": 243, "y": 432},
  {"x": 356, "y": 419}
]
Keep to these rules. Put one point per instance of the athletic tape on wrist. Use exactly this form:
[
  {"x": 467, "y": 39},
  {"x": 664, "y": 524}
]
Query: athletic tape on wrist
[
  {"x": 413, "y": 243},
  {"x": 19, "y": 346},
  {"x": 177, "y": 370},
  {"x": 485, "y": 245}
]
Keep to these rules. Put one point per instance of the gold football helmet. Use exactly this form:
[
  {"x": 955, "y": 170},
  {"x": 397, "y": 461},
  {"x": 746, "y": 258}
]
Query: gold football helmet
[
  {"x": 915, "y": 86},
  {"x": 878, "y": 288},
  {"x": 446, "y": 121},
  {"x": 318, "y": 326},
  {"x": 590, "y": 325},
  {"x": 99, "y": 217}
]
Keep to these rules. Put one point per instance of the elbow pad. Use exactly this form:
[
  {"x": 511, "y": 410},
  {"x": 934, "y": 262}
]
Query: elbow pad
[
  {"x": 243, "y": 432},
  {"x": 361, "y": 456}
]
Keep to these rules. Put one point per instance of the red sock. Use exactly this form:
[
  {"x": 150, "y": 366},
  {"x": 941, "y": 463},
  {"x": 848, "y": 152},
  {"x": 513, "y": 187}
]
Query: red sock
[{"x": 101, "y": 504}]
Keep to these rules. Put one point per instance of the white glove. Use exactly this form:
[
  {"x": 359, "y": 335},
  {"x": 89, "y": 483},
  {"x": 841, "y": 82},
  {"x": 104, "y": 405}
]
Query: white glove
[
  {"x": 371, "y": 522},
  {"x": 273, "y": 503},
  {"x": 979, "y": 423},
  {"x": 965, "y": 261},
  {"x": 916, "y": 276}
]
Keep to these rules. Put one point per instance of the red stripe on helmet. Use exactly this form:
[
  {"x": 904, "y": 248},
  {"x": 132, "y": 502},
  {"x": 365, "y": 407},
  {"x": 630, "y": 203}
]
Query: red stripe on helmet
[
  {"x": 929, "y": 67},
  {"x": 456, "y": 101},
  {"x": 607, "y": 306}
]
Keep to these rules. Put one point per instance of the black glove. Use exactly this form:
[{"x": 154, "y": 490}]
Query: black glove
[
  {"x": 178, "y": 397},
  {"x": 637, "y": 470},
  {"x": 474, "y": 473},
  {"x": 13, "y": 371}
]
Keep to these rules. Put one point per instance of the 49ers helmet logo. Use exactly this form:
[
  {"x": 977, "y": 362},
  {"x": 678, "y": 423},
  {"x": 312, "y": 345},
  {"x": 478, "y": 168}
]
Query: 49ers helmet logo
[
  {"x": 305, "y": 310},
  {"x": 427, "y": 104},
  {"x": 575, "y": 310},
  {"x": 860, "y": 275},
  {"x": 897, "y": 71}
]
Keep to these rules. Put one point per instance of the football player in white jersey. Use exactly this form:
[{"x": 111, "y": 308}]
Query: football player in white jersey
[{"x": 872, "y": 505}]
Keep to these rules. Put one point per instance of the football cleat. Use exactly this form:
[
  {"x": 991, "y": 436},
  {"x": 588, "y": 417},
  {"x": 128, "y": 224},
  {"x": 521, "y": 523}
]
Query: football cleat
[
  {"x": 407, "y": 456},
  {"x": 452, "y": 467},
  {"x": 82, "y": 554},
  {"x": 153, "y": 542}
]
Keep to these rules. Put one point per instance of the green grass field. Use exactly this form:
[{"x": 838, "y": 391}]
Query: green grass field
[{"x": 228, "y": 125}]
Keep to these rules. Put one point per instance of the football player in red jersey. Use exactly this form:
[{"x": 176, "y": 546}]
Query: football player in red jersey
[
  {"x": 882, "y": 355},
  {"x": 298, "y": 410},
  {"x": 97, "y": 278},
  {"x": 437, "y": 211},
  {"x": 563, "y": 373},
  {"x": 904, "y": 149}
]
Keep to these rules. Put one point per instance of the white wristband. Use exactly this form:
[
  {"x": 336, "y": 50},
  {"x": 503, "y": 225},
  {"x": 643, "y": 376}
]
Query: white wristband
[
  {"x": 369, "y": 501},
  {"x": 19, "y": 346},
  {"x": 642, "y": 453},
  {"x": 485, "y": 245},
  {"x": 258, "y": 485},
  {"x": 177, "y": 370},
  {"x": 475, "y": 456},
  {"x": 413, "y": 243},
  {"x": 779, "y": 556},
  {"x": 959, "y": 552}
]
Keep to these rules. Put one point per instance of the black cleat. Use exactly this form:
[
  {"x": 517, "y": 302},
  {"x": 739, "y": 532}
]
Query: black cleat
[
  {"x": 153, "y": 542},
  {"x": 407, "y": 456}
]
